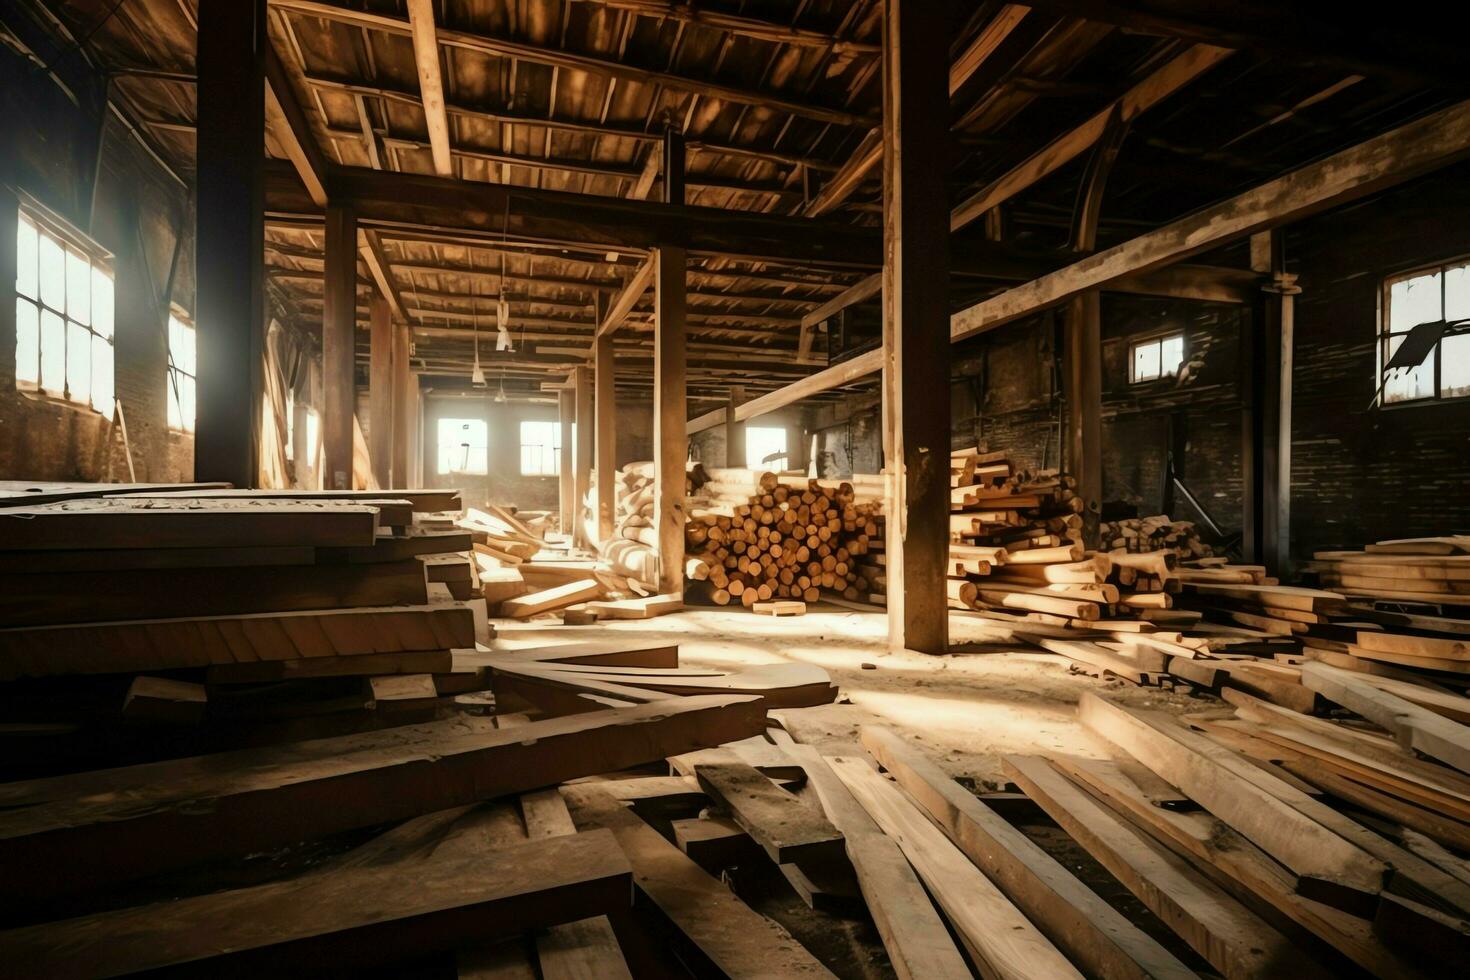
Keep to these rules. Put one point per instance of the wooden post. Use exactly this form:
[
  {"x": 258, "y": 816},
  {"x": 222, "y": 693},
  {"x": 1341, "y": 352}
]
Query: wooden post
[
  {"x": 673, "y": 154},
  {"x": 1273, "y": 340},
  {"x": 585, "y": 434},
  {"x": 670, "y": 406},
  {"x": 300, "y": 443},
  {"x": 9, "y": 222},
  {"x": 230, "y": 239},
  {"x": 339, "y": 326},
  {"x": 404, "y": 388},
  {"x": 380, "y": 389},
  {"x": 734, "y": 429},
  {"x": 566, "y": 407},
  {"x": 607, "y": 434},
  {"x": 915, "y": 353}
]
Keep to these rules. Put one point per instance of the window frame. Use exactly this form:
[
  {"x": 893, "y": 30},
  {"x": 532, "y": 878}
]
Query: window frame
[
  {"x": 1384, "y": 333},
  {"x": 553, "y": 449},
  {"x": 98, "y": 259},
  {"x": 1157, "y": 338}
]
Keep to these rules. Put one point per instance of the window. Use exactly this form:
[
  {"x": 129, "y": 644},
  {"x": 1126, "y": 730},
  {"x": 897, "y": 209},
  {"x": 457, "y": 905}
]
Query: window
[
  {"x": 464, "y": 446},
  {"x": 1155, "y": 358},
  {"x": 1434, "y": 295},
  {"x": 181, "y": 372},
  {"x": 540, "y": 448},
  {"x": 63, "y": 317},
  {"x": 765, "y": 445}
]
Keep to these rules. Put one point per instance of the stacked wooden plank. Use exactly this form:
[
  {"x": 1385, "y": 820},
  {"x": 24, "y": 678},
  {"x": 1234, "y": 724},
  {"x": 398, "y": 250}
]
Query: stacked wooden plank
[
  {"x": 1431, "y": 571},
  {"x": 1154, "y": 533}
]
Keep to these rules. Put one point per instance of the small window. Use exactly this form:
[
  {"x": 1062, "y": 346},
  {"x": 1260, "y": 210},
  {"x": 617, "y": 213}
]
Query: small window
[
  {"x": 1155, "y": 358},
  {"x": 1438, "y": 296},
  {"x": 464, "y": 446},
  {"x": 182, "y": 353},
  {"x": 540, "y": 448},
  {"x": 765, "y": 447},
  {"x": 63, "y": 316}
]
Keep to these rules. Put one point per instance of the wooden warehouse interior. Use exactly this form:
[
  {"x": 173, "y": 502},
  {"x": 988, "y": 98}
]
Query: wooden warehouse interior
[{"x": 748, "y": 488}]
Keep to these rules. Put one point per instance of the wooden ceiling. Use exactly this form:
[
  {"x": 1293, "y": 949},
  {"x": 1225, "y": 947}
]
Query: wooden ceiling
[{"x": 778, "y": 101}]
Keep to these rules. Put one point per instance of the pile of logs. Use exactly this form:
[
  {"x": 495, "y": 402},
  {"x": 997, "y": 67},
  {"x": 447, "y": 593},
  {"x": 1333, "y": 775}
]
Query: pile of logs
[
  {"x": 1153, "y": 533},
  {"x": 751, "y": 538}
]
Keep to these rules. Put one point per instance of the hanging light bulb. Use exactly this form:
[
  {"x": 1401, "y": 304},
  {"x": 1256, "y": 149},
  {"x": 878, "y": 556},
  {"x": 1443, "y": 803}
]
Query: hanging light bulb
[
  {"x": 502, "y": 315},
  {"x": 500, "y": 395},
  {"x": 477, "y": 375}
]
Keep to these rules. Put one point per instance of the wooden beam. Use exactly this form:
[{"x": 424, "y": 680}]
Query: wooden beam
[
  {"x": 380, "y": 390},
  {"x": 1416, "y": 728},
  {"x": 501, "y": 47},
  {"x": 1419, "y": 147},
  {"x": 566, "y": 407},
  {"x": 339, "y": 346},
  {"x": 734, "y": 429},
  {"x": 405, "y": 390},
  {"x": 670, "y": 406},
  {"x": 586, "y": 431},
  {"x": 231, "y": 237},
  {"x": 914, "y": 355},
  {"x": 605, "y": 377},
  {"x": 789, "y": 831},
  {"x": 740, "y": 25},
  {"x": 301, "y": 146},
  {"x": 863, "y": 289},
  {"x": 630, "y": 296},
  {"x": 381, "y": 270},
  {"x": 431, "y": 84},
  {"x": 984, "y": 44},
  {"x": 1140, "y": 98}
]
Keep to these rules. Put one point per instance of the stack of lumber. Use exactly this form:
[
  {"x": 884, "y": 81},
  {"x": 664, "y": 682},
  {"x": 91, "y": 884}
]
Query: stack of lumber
[
  {"x": 147, "y": 618},
  {"x": 1432, "y": 571},
  {"x": 1154, "y": 534},
  {"x": 760, "y": 539}
]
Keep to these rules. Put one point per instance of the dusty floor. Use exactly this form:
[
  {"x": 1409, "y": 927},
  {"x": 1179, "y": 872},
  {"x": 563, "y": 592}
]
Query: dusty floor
[{"x": 968, "y": 709}]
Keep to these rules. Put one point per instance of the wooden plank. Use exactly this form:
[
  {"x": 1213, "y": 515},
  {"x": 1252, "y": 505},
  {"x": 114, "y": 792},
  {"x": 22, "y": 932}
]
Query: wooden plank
[
  {"x": 918, "y": 943},
  {"x": 157, "y": 523},
  {"x": 729, "y": 937},
  {"x": 431, "y": 83},
  {"x": 914, "y": 354},
  {"x": 355, "y": 919},
  {"x": 606, "y": 652},
  {"x": 173, "y": 644},
  {"x": 363, "y": 665},
  {"x": 1089, "y": 930},
  {"x": 999, "y": 939},
  {"x": 1327, "y": 866},
  {"x": 1230, "y": 937},
  {"x": 549, "y": 599},
  {"x": 786, "y": 829},
  {"x": 606, "y": 424},
  {"x": 129, "y": 559},
  {"x": 122, "y": 823},
  {"x": 1415, "y": 727},
  {"x": 1418, "y": 147},
  {"x": 632, "y": 292},
  {"x": 423, "y": 499},
  {"x": 28, "y": 493},
  {"x": 670, "y": 410},
  {"x": 645, "y": 607},
  {"x": 297, "y": 138},
  {"x": 584, "y": 432}
]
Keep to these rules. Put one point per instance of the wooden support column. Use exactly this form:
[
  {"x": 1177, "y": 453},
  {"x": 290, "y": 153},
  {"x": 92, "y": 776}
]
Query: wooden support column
[
  {"x": 734, "y": 429},
  {"x": 380, "y": 389},
  {"x": 1267, "y": 446},
  {"x": 915, "y": 353},
  {"x": 230, "y": 239},
  {"x": 566, "y": 407},
  {"x": 673, "y": 157},
  {"x": 585, "y": 434},
  {"x": 605, "y": 372},
  {"x": 9, "y": 221},
  {"x": 670, "y": 407},
  {"x": 405, "y": 387},
  {"x": 339, "y": 326}
]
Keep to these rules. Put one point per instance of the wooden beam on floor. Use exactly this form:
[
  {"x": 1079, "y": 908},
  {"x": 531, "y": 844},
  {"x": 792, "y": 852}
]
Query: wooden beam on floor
[
  {"x": 339, "y": 347},
  {"x": 431, "y": 83},
  {"x": 915, "y": 354},
  {"x": 670, "y": 405},
  {"x": 380, "y": 389},
  {"x": 230, "y": 239}
]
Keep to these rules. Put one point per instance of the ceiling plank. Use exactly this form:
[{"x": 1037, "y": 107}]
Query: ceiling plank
[{"x": 431, "y": 83}]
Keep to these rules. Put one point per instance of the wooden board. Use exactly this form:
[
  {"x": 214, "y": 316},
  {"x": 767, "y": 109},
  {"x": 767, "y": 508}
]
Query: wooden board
[
  {"x": 1089, "y": 930},
  {"x": 1000, "y": 940},
  {"x": 549, "y": 599},
  {"x": 1326, "y": 865},
  {"x": 1230, "y": 937},
  {"x": 120, "y": 523},
  {"x": 81, "y": 597},
  {"x": 793, "y": 685},
  {"x": 612, "y": 654},
  {"x": 171, "y": 644},
  {"x": 729, "y": 937},
  {"x": 431, "y": 501},
  {"x": 354, "y": 919},
  {"x": 27, "y": 493},
  {"x": 411, "y": 542},
  {"x": 644, "y": 608},
  {"x": 786, "y": 829},
  {"x": 121, "y": 823},
  {"x": 1415, "y": 727},
  {"x": 366, "y": 665},
  {"x": 128, "y": 559}
]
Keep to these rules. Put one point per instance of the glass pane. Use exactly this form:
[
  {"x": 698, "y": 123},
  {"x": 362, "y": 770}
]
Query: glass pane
[
  {"x": 186, "y": 402},
  {"x": 102, "y": 376},
  {"x": 1457, "y": 293},
  {"x": 78, "y": 287},
  {"x": 763, "y": 442},
  {"x": 1412, "y": 302},
  {"x": 53, "y": 351},
  {"x": 1454, "y": 376},
  {"x": 52, "y": 270},
  {"x": 1146, "y": 361},
  {"x": 1171, "y": 354},
  {"x": 78, "y": 363},
  {"x": 25, "y": 258},
  {"x": 27, "y": 341},
  {"x": 1409, "y": 385},
  {"x": 175, "y": 416},
  {"x": 102, "y": 302}
]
